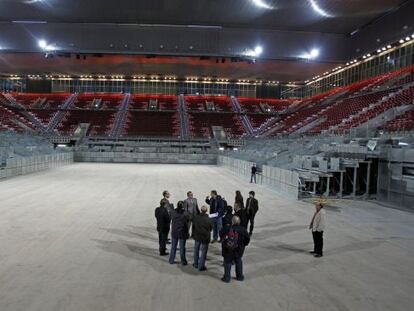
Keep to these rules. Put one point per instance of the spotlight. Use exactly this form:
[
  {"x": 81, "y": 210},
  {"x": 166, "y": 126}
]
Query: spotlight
[
  {"x": 378, "y": 51},
  {"x": 368, "y": 55},
  {"x": 407, "y": 39},
  {"x": 314, "y": 53},
  {"x": 384, "y": 48},
  {"x": 258, "y": 50},
  {"x": 388, "y": 46},
  {"x": 401, "y": 41},
  {"x": 42, "y": 44}
]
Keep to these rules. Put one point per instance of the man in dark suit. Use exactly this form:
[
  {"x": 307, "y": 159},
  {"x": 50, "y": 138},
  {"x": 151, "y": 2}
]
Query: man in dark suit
[
  {"x": 163, "y": 226},
  {"x": 252, "y": 206}
]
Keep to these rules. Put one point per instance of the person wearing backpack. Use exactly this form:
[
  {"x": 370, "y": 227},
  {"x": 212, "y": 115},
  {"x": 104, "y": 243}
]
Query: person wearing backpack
[{"x": 234, "y": 240}]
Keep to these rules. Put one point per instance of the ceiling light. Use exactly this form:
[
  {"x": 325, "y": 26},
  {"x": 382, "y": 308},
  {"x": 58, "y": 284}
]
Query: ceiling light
[
  {"x": 407, "y": 39},
  {"x": 262, "y": 4},
  {"x": 401, "y": 41},
  {"x": 364, "y": 56},
  {"x": 318, "y": 9},
  {"x": 42, "y": 44},
  {"x": 314, "y": 53},
  {"x": 258, "y": 50},
  {"x": 368, "y": 55},
  {"x": 384, "y": 48},
  {"x": 388, "y": 46},
  {"x": 378, "y": 51},
  {"x": 412, "y": 36}
]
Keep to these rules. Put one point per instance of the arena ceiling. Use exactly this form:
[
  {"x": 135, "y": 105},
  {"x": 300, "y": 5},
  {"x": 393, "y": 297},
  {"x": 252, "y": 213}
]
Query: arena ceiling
[
  {"x": 178, "y": 32},
  {"x": 326, "y": 16}
]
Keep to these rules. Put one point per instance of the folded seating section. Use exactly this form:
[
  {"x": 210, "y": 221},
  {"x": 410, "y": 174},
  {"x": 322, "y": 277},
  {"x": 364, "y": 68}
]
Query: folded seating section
[
  {"x": 404, "y": 122},
  {"x": 198, "y": 103},
  {"x": 201, "y": 123},
  {"x": 141, "y": 101},
  {"x": 32, "y": 100},
  {"x": 101, "y": 121},
  {"x": 152, "y": 123}
]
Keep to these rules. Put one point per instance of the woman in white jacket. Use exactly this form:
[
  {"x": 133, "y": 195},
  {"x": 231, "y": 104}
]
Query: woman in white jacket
[{"x": 317, "y": 226}]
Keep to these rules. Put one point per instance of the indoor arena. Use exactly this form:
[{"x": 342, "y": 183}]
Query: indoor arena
[{"x": 206, "y": 155}]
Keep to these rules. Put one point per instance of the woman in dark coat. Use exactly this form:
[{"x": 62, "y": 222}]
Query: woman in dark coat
[
  {"x": 179, "y": 233},
  {"x": 239, "y": 199}
]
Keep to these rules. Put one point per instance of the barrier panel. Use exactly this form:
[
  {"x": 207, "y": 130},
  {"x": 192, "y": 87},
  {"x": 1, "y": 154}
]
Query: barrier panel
[
  {"x": 283, "y": 181},
  {"x": 145, "y": 157},
  {"x": 26, "y": 165}
]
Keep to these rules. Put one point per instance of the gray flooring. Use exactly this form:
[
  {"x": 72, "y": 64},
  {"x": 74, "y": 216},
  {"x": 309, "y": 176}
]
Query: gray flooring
[{"x": 82, "y": 237}]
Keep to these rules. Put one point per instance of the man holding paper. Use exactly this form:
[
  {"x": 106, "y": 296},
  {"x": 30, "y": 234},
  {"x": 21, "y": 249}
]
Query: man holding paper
[{"x": 216, "y": 213}]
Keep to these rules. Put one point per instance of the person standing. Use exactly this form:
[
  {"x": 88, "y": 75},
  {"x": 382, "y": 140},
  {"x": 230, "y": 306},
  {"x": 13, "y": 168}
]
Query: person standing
[
  {"x": 235, "y": 238},
  {"x": 179, "y": 233},
  {"x": 241, "y": 213},
  {"x": 190, "y": 208},
  {"x": 253, "y": 175},
  {"x": 170, "y": 207},
  {"x": 163, "y": 226},
  {"x": 203, "y": 226},
  {"x": 239, "y": 199},
  {"x": 228, "y": 216},
  {"x": 216, "y": 213},
  {"x": 166, "y": 200},
  {"x": 252, "y": 206},
  {"x": 317, "y": 226}
]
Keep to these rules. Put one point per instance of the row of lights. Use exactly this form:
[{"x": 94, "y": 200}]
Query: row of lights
[{"x": 364, "y": 57}]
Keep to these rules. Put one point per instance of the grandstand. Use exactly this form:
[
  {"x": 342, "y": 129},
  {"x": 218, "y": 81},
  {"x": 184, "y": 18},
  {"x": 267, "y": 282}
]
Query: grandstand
[{"x": 106, "y": 104}]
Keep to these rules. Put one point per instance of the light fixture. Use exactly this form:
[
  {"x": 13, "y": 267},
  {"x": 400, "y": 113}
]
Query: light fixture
[
  {"x": 258, "y": 50},
  {"x": 401, "y": 41},
  {"x": 262, "y": 4},
  {"x": 318, "y": 9},
  {"x": 388, "y": 46},
  {"x": 407, "y": 39},
  {"x": 314, "y": 53},
  {"x": 42, "y": 44},
  {"x": 379, "y": 51}
]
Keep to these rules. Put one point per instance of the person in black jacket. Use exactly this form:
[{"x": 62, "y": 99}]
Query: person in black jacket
[
  {"x": 228, "y": 216},
  {"x": 202, "y": 227},
  {"x": 235, "y": 238},
  {"x": 241, "y": 213},
  {"x": 179, "y": 233},
  {"x": 254, "y": 171},
  {"x": 252, "y": 206},
  {"x": 163, "y": 226},
  {"x": 216, "y": 213},
  {"x": 239, "y": 199}
]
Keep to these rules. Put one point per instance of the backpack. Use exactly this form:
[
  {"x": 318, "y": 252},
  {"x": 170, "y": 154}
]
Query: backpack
[{"x": 231, "y": 240}]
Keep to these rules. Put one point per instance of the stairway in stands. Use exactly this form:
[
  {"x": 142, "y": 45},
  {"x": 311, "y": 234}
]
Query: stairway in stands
[
  {"x": 57, "y": 118},
  {"x": 22, "y": 110},
  {"x": 243, "y": 118},
  {"x": 121, "y": 117},
  {"x": 184, "y": 128}
]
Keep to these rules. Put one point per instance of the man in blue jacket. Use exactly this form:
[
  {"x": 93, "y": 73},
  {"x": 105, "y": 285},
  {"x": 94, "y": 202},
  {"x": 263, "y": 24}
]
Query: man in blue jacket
[
  {"x": 216, "y": 213},
  {"x": 234, "y": 240}
]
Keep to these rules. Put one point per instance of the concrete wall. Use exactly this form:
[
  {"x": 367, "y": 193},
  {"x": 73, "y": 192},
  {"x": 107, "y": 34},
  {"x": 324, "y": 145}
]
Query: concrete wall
[
  {"x": 152, "y": 157},
  {"x": 26, "y": 165},
  {"x": 285, "y": 182}
]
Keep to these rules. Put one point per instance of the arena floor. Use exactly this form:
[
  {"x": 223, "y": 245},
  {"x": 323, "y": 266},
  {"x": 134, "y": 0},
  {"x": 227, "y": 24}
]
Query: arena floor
[{"x": 82, "y": 237}]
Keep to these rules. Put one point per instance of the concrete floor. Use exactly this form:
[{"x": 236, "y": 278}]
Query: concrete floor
[{"x": 82, "y": 237}]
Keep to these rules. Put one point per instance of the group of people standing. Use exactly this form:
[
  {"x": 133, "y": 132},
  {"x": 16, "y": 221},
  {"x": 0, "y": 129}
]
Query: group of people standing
[
  {"x": 226, "y": 224},
  {"x": 227, "y": 227}
]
